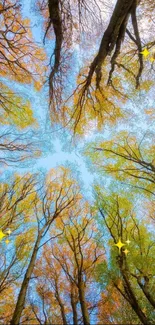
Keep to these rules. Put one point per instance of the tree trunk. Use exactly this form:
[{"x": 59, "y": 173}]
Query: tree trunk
[
  {"x": 110, "y": 37},
  {"x": 82, "y": 299},
  {"x": 130, "y": 293},
  {"x": 63, "y": 313},
  {"x": 22, "y": 294},
  {"x": 62, "y": 309},
  {"x": 73, "y": 304},
  {"x": 133, "y": 301},
  {"x": 146, "y": 292}
]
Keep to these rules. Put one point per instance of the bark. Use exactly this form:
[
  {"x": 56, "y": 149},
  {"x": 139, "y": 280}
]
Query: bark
[
  {"x": 74, "y": 301},
  {"x": 56, "y": 21},
  {"x": 146, "y": 291},
  {"x": 111, "y": 37},
  {"x": 83, "y": 304},
  {"x": 22, "y": 294},
  {"x": 62, "y": 309},
  {"x": 118, "y": 47},
  {"x": 130, "y": 293},
  {"x": 138, "y": 42},
  {"x": 133, "y": 301}
]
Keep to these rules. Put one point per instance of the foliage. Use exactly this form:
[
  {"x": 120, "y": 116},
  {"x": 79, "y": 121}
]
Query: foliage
[{"x": 64, "y": 259}]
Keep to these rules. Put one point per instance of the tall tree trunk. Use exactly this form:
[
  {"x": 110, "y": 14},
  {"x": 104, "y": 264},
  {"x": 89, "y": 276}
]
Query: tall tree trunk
[
  {"x": 62, "y": 309},
  {"x": 146, "y": 291},
  {"x": 74, "y": 301},
  {"x": 22, "y": 294},
  {"x": 130, "y": 293},
  {"x": 134, "y": 302},
  {"x": 111, "y": 36},
  {"x": 83, "y": 305}
]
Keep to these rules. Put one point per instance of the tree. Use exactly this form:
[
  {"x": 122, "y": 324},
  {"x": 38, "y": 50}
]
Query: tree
[
  {"x": 66, "y": 269},
  {"x": 58, "y": 195},
  {"x": 16, "y": 199},
  {"x": 62, "y": 16},
  {"x": 20, "y": 57},
  {"x": 16, "y": 147},
  {"x": 113, "y": 308},
  {"x": 20, "y": 60},
  {"x": 65, "y": 260},
  {"x": 131, "y": 269},
  {"x": 128, "y": 159},
  {"x": 118, "y": 58}
]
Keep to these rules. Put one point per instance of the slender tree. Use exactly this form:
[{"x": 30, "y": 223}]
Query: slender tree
[
  {"x": 122, "y": 224},
  {"x": 59, "y": 195}
]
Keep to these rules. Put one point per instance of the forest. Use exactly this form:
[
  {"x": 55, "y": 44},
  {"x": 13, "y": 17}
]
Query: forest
[{"x": 77, "y": 235}]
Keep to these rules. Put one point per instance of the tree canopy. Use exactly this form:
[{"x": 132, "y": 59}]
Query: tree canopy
[{"x": 84, "y": 71}]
